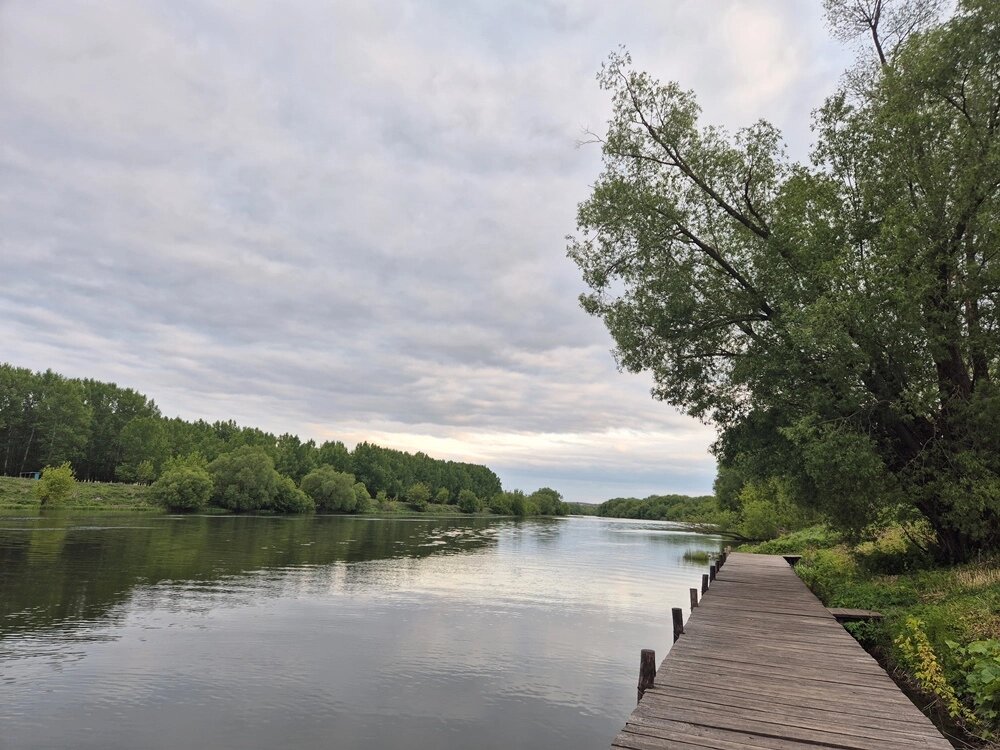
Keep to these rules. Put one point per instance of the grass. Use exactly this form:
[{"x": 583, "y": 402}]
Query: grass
[
  {"x": 928, "y": 610},
  {"x": 18, "y": 494},
  {"x": 698, "y": 556}
]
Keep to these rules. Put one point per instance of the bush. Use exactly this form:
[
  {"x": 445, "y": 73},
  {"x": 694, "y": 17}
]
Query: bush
[
  {"x": 468, "y": 502},
  {"x": 500, "y": 504},
  {"x": 364, "y": 499},
  {"x": 290, "y": 499},
  {"x": 797, "y": 542},
  {"x": 244, "y": 479},
  {"x": 331, "y": 490},
  {"x": 417, "y": 495},
  {"x": 183, "y": 488},
  {"x": 443, "y": 496},
  {"x": 56, "y": 484}
]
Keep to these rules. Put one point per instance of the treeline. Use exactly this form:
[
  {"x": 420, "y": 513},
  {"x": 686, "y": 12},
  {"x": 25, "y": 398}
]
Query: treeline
[
  {"x": 682, "y": 508},
  {"x": 109, "y": 433}
]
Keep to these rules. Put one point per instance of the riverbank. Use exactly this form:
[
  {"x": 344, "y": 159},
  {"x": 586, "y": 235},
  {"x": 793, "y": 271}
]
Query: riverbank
[
  {"x": 18, "y": 495},
  {"x": 940, "y": 637}
]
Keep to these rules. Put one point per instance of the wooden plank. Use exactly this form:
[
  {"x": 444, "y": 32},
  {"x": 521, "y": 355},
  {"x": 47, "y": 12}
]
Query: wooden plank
[
  {"x": 842, "y": 614},
  {"x": 762, "y": 664}
]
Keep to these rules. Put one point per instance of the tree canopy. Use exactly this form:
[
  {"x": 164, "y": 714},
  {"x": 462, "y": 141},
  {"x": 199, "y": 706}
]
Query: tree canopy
[{"x": 836, "y": 319}]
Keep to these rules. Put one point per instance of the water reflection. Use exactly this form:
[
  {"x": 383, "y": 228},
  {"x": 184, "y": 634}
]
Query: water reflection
[{"x": 330, "y": 631}]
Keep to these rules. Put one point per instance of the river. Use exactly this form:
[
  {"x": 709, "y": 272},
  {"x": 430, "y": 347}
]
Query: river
[{"x": 330, "y": 632}]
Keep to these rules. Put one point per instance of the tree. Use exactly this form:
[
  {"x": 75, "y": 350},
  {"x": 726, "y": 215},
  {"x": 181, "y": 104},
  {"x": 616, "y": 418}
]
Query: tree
[
  {"x": 243, "y": 479},
  {"x": 364, "y": 500},
  {"x": 331, "y": 490},
  {"x": 55, "y": 485},
  {"x": 468, "y": 502},
  {"x": 836, "y": 320},
  {"x": 184, "y": 486},
  {"x": 290, "y": 499},
  {"x": 548, "y": 502},
  {"x": 443, "y": 496},
  {"x": 418, "y": 495}
]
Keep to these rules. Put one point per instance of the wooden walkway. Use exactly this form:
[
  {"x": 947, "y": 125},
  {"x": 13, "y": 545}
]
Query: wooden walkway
[{"x": 762, "y": 664}]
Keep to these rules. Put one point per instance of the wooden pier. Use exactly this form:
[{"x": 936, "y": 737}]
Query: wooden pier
[{"x": 762, "y": 664}]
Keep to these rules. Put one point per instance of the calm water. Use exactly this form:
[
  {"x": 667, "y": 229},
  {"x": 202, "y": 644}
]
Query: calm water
[{"x": 330, "y": 632}]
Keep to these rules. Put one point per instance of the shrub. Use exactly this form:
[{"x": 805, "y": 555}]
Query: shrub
[
  {"x": 417, "y": 495},
  {"x": 183, "y": 488},
  {"x": 56, "y": 484},
  {"x": 244, "y": 479},
  {"x": 980, "y": 666},
  {"x": 443, "y": 496},
  {"x": 290, "y": 499},
  {"x": 468, "y": 502},
  {"x": 331, "y": 490},
  {"x": 364, "y": 499},
  {"x": 500, "y": 504}
]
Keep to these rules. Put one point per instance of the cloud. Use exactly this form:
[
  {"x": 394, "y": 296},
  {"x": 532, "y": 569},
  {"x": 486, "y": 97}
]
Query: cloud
[{"x": 346, "y": 219}]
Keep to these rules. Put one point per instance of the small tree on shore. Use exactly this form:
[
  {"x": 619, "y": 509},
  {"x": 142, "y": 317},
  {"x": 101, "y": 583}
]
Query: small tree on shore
[
  {"x": 184, "y": 486},
  {"x": 418, "y": 495},
  {"x": 56, "y": 484}
]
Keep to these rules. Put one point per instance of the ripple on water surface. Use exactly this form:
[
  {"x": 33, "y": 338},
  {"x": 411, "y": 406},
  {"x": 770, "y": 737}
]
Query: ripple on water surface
[{"x": 330, "y": 631}]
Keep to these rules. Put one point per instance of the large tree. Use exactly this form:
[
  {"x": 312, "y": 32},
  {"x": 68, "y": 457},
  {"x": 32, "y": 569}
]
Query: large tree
[{"x": 837, "y": 320}]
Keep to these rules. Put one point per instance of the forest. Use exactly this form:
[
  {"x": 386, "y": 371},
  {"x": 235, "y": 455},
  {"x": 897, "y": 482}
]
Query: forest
[{"x": 107, "y": 433}]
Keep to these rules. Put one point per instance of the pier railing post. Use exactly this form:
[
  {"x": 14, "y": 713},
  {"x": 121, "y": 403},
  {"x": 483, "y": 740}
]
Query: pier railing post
[
  {"x": 694, "y": 598},
  {"x": 678, "y": 615},
  {"x": 647, "y": 671},
  {"x": 711, "y": 572},
  {"x": 704, "y": 583}
]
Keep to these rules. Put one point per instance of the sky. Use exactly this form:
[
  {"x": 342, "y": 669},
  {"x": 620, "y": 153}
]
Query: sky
[{"x": 347, "y": 219}]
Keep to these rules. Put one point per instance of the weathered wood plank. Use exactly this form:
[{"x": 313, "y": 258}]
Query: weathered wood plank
[
  {"x": 842, "y": 614},
  {"x": 762, "y": 664}
]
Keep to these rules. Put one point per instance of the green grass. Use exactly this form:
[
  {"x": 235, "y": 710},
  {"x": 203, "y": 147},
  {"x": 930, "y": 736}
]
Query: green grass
[
  {"x": 18, "y": 494},
  {"x": 958, "y": 604},
  {"x": 697, "y": 556}
]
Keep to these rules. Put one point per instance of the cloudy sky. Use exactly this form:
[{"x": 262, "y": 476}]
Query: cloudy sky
[{"x": 346, "y": 218}]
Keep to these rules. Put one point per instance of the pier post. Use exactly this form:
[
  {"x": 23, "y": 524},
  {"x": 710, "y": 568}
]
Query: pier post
[
  {"x": 647, "y": 671},
  {"x": 711, "y": 572},
  {"x": 704, "y": 583},
  {"x": 694, "y": 598},
  {"x": 678, "y": 614}
]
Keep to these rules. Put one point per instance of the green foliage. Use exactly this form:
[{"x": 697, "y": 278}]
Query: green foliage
[
  {"x": 979, "y": 663},
  {"x": 243, "y": 480},
  {"x": 548, "y": 502},
  {"x": 290, "y": 499},
  {"x": 917, "y": 654},
  {"x": 836, "y": 319},
  {"x": 364, "y": 500},
  {"x": 766, "y": 510},
  {"x": 697, "y": 556},
  {"x": 501, "y": 504},
  {"x": 108, "y": 432},
  {"x": 418, "y": 495},
  {"x": 56, "y": 484},
  {"x": 184, "y": 486},
  {"x": 680, "y": 508},
  {"x": 443, "y": 496},
  {"x": 331, "y": 490},
  {"x": 813, "y": 537},
  {"x": 934, "y": 616},
  {"x": 468, "y": 502}
]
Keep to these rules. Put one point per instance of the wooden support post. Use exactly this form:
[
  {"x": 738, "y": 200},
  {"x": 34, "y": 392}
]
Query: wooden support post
[
  {"x": 704, "y": 583},
  {"x": 694, "y": 598},
  {"x": 678, "y": 615},
  {"x": 647, "y": 671},
  {"x": 711, "y": 572}
]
